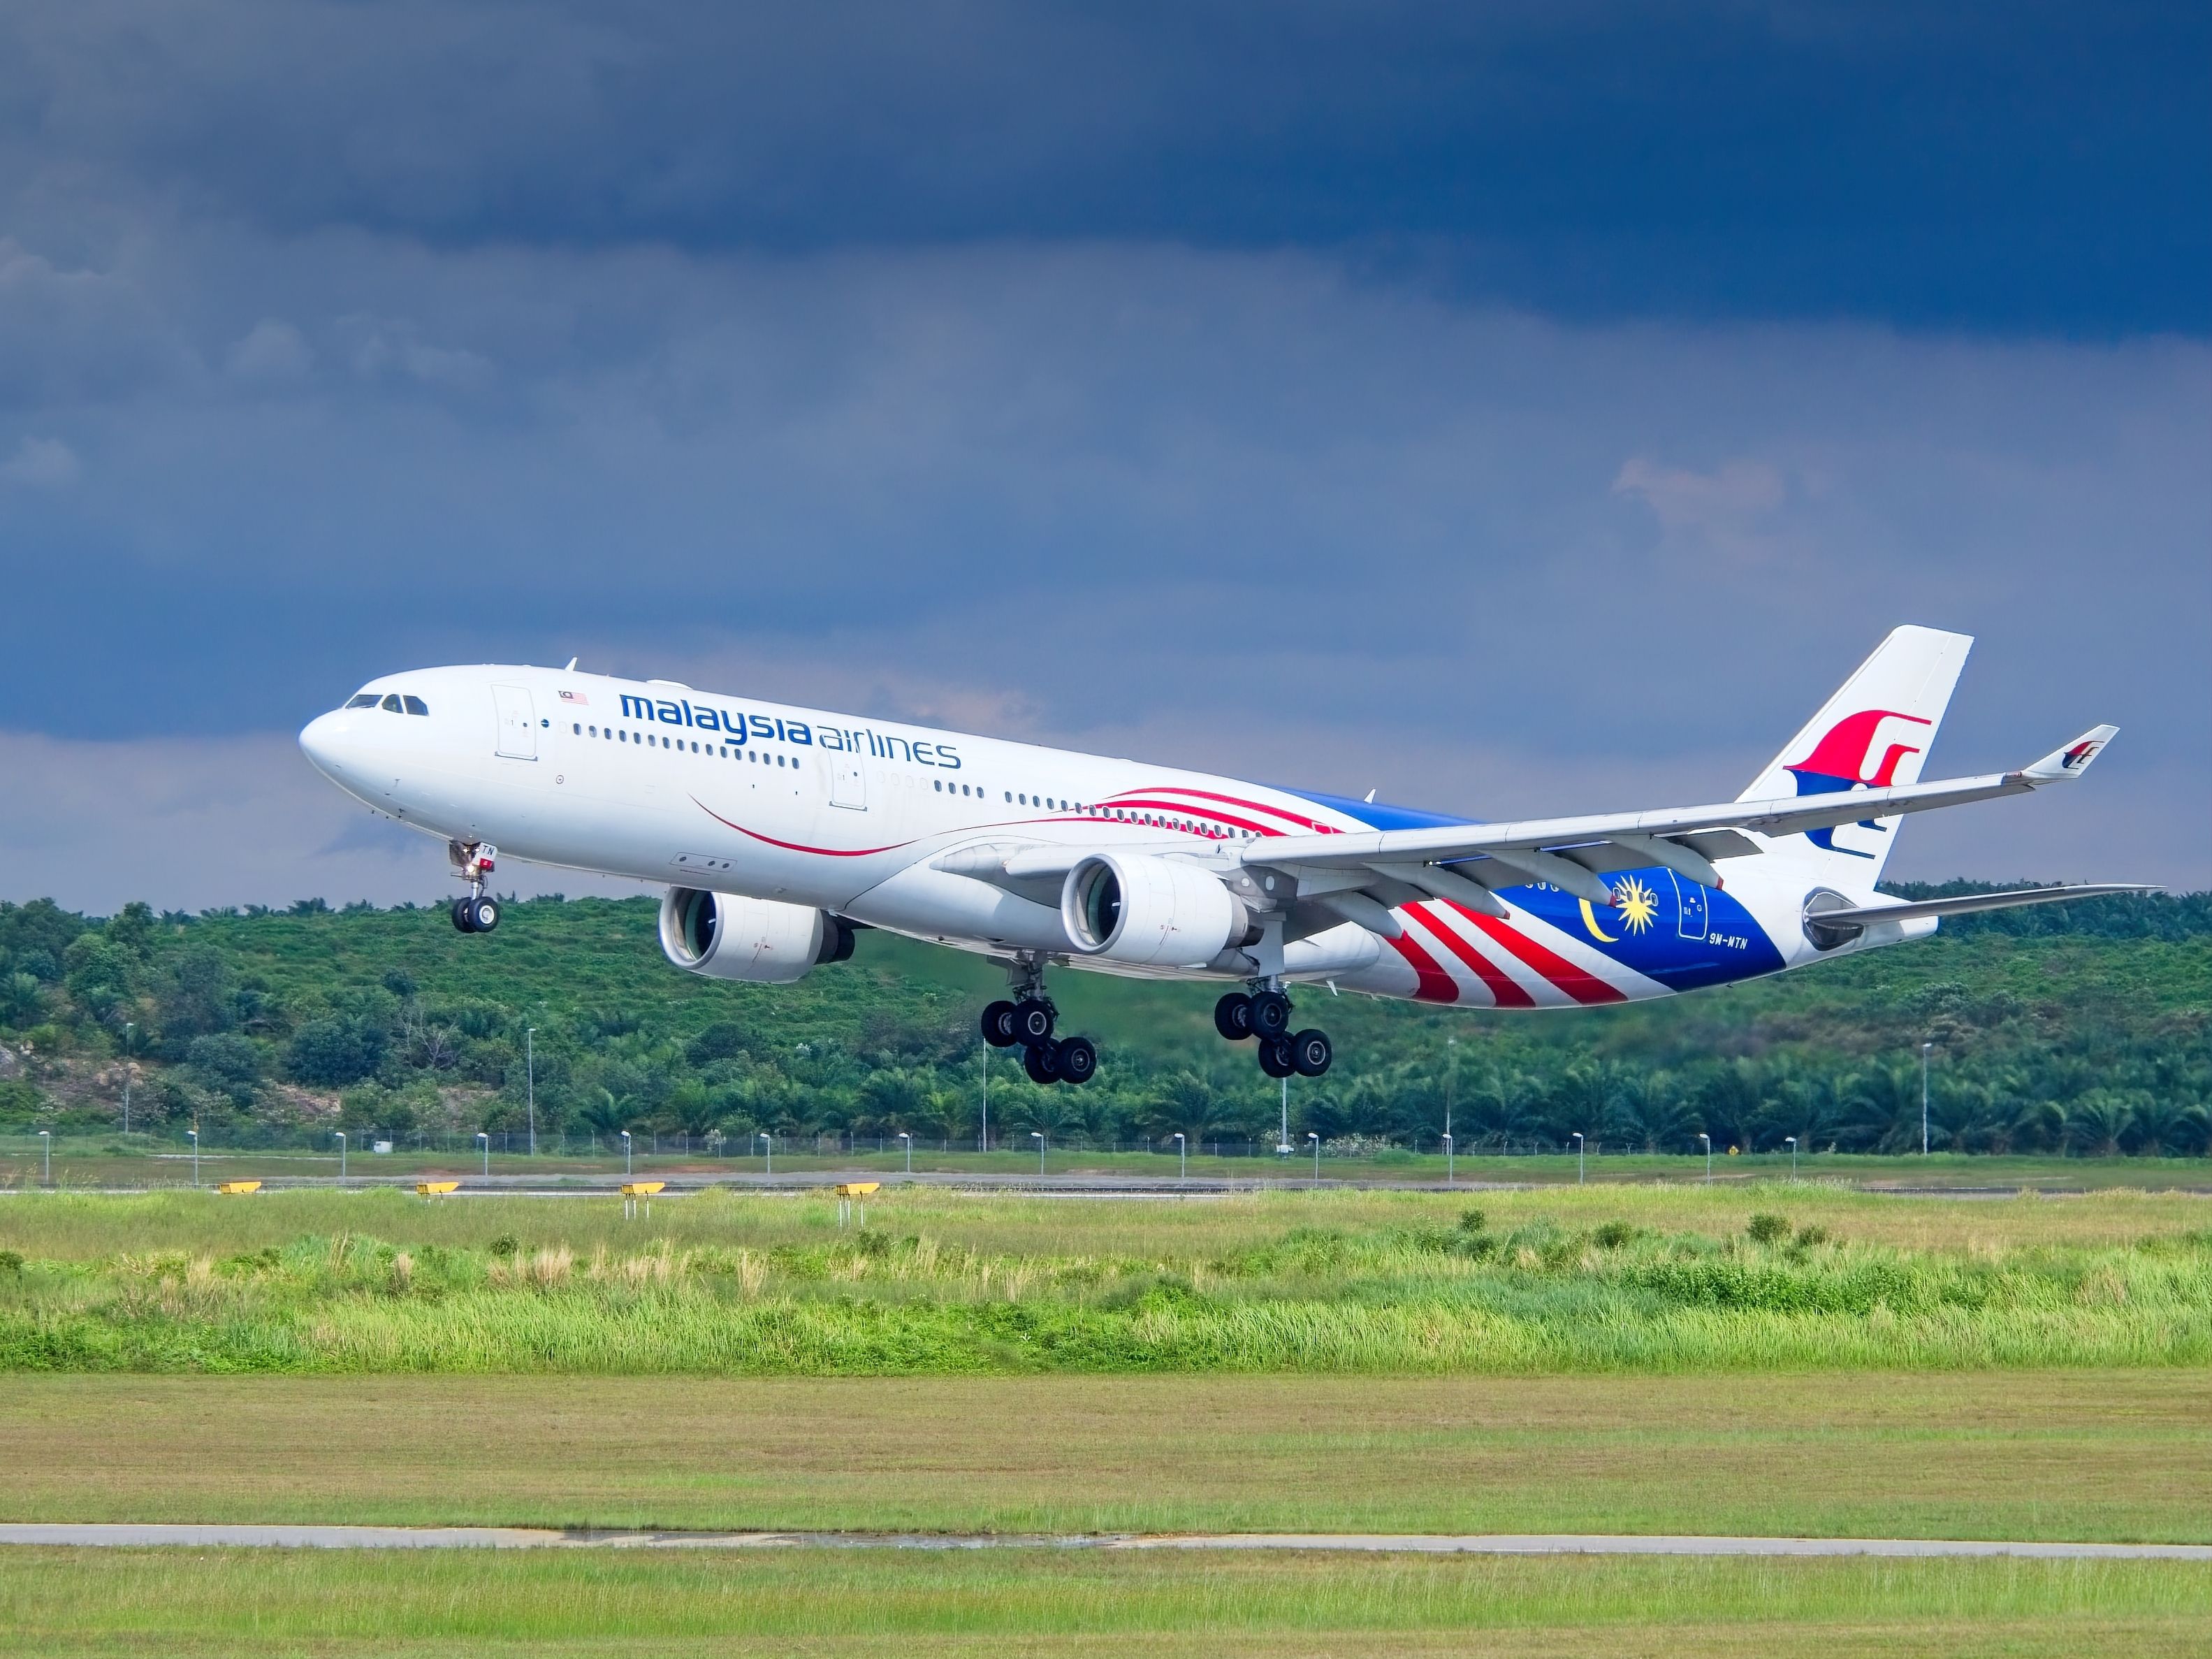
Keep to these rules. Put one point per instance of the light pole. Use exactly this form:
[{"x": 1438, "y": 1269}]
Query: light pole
[
  {"x": 485, "y": 1141},
  {"x": 340, "y": 1133},
  {"x": 1315, "y": 1139},
  {"x": 625, "y": 1137},
  {"x": 1183, "y": 1156},
  {"x": 129, "y": 1026},
  {"x": 1579, "y": 1148},
  {"x": 909, "y": 1139},
  {"x": 1449, "y": 1149},
  {"x": 1926, "y": 1049},
  {"x": 1708, "y": 1139},
  {"x": 768, "y": 1151},
  {"x": 46, "y": 1150},
  {"x": 195, "y": 1134},
  {"x": 1283, "y": 1135},
  {"x": 530, "y": 1081},
  {"x": 1037, "y": 1135},
  {"x": 983, "y": 1141},
  {"x": 1792, "y": 1140}
]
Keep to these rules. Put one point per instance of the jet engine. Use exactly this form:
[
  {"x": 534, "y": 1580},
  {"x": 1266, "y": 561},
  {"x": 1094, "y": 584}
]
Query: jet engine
[
  {"x": 722, "y": 936},
  {"x": 1150, "y": 911}
]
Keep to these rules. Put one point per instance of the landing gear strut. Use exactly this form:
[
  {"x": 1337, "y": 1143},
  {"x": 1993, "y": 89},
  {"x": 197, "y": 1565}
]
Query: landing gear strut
[
  {"x": 473, "y": 862},
  {"x": 1265, "y": 1012},
  {"x": 1027, "y": 1019}
]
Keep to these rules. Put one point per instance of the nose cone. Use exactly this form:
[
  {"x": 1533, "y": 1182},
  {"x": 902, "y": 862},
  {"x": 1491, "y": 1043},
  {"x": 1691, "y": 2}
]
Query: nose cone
[{"x": 322, "y": 740}]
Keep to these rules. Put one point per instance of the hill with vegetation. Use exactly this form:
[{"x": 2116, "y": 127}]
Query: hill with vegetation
[{"x": 2079, "y": 1028}]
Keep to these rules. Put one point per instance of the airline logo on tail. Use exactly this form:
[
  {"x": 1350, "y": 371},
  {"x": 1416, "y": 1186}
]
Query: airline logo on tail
[
  {"x": 2080, "y": 754},
  {"x": 1838, "y": 763}
]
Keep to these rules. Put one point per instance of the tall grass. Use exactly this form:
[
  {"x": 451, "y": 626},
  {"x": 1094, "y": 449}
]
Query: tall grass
[{"x": 1404, "y": 1288}]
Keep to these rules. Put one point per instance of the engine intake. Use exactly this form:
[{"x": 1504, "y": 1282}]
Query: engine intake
[
  {"x": 1150, "y": 911},
  {"x": 723, "y": 936}
]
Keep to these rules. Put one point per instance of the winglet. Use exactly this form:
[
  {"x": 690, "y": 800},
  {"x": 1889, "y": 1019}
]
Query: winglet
[{"x": 2074, "y": 759}]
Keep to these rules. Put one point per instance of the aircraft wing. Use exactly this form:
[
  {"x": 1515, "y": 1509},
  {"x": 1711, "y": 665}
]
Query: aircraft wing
[{"x": 1571, "y": 853}]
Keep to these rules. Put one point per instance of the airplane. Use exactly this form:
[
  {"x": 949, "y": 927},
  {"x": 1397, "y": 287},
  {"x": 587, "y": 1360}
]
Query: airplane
[{"x": 779, "y": 832}]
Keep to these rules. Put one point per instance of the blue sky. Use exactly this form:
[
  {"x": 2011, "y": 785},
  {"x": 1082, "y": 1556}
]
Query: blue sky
[{"x": 1521, "y": 407}]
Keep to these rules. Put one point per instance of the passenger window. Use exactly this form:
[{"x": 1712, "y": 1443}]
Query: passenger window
[{"x": 578, "y": 729}]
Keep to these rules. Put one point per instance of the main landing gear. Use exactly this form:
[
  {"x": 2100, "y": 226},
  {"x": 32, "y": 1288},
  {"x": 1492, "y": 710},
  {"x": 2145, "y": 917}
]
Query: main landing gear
[
  {"x": 1026, "y": 1021},
  {"x": 476, "y": 912},
  {"x": 1265, "y": 1013}
]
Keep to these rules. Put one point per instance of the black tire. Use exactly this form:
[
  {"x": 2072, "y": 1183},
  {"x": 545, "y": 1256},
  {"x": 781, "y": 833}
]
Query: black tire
[
  {"x": 1275, "y": 1058},
  {"x": 483, "y": 914},
  {"x": 1033, "y": 1021},
  {"x": 998, "y": 1025},
  {"x": 1232, "y": 1017},
  {"x": 1042, "y": 1061},
  {"x": 1078, "y": 1060},
  {"x": 1310, "y": 1052},
  {"x": 460, "y": 914},
  {"x": 1271, "y": 1015}
]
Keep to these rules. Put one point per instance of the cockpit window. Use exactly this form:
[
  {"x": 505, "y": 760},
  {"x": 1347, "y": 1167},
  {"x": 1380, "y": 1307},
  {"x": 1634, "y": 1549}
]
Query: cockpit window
[
  {"x": 415, "y": 705},
  {"x": 392, "y": 703},
  {"x": 361, "y": 700}
]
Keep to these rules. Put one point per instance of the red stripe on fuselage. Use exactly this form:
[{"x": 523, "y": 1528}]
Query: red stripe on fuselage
[
  {"x": 1430, "y": 982},
  {"x": 1255, "y": 807},
  {"x": 1582, "y": 985},
  {"x": 1504, "y": 990},
  {"x": 798, "y": 847}
]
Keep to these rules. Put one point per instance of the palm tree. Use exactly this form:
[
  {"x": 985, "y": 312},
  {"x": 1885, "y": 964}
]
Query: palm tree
[{"x": 2095, "y": 1122}]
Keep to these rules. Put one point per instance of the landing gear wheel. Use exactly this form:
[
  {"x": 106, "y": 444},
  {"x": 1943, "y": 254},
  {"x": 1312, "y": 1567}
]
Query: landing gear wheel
[
  {"x": 1033, "y": 1021},
  {"x": 460, "y": 914},
  {"x": 1310, "y": 1053},
  {"x": 483, "y": 914},
  {"x": 1276, "y": 1059},
  {"x": 1271, "y": 1014},
  {"x": 1232, "y": 1017},
  {"x": 1078, "y": 1060},
  {"x": 999, "y": 1025},
  {"x": 1042, "y": 1061}
]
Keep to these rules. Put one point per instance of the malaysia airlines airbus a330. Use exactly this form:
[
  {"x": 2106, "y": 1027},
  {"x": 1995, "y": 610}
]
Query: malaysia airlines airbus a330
[{"x": 780, "y": 830}]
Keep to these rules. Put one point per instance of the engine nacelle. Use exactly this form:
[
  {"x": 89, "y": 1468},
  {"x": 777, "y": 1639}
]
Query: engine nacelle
[
  {"x": 722, "y": 936},
  {"x": 1150, "y": 911}
]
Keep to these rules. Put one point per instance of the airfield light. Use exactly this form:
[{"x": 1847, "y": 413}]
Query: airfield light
[
  {"x": 625, "y": 1137},
  {"x": 1037, "y": 1135},
  {"x": 340, "y": 1133},
  {"x": 1708, "y": 1139},
  {"x": 1792, "y": 1140},
  {"x": 1450, "y": 1149},
  {"x": 485, "y": 1141},
  {"x": 47, "y": 1149},
  {"x": 1183, "y": 1154},
  {"x": 1315, "y": 1139},
  {"x": 909, "y": 1139},
  {"x": 1926, "y": 1049},
  {"x": 195, "y": 1134},
  {"x": 1579, "y": 1148}
]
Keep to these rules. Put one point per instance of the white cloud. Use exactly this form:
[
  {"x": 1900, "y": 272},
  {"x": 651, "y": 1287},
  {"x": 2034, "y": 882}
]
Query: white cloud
[
  {"x": 272, "y": 350},
  {"x": 41, "y": 463}
]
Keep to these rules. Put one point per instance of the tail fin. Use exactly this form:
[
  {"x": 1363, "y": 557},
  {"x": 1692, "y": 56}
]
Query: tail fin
[{"x": 1876, "y": 731}]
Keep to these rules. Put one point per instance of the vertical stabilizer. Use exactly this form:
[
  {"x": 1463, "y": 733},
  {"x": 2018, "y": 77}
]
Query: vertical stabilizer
[{"x": 1876, "y": 731}]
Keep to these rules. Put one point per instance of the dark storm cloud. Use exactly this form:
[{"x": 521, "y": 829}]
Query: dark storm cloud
[{"x": 2005, "y": 166}]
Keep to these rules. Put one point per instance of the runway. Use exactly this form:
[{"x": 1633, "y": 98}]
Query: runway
[{"x": 135, "y": 1534}]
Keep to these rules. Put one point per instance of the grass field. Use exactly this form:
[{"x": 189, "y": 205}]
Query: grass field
[
  {"x": 817, "y": 1602},
  {"x": 2116, "y": 1456},
  {"x": 1557, "y": 1280}
]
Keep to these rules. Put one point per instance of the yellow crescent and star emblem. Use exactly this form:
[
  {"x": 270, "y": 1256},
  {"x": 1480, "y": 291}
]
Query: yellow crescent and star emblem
[{"x": 1635, "y": 904}]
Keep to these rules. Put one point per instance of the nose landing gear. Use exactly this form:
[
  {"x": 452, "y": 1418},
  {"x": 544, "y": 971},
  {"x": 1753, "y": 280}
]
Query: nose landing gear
[
  {"x": 1265, "y": 1012},
  {"x": 1027, "y": 1021},
  {"x": 472, "y": 863}
]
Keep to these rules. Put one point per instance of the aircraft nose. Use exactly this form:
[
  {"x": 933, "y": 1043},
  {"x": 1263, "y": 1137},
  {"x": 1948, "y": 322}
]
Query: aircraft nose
[{"x": 322, "y": 740}]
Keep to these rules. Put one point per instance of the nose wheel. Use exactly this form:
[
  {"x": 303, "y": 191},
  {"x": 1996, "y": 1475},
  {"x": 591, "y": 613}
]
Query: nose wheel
[
  {"x": 1265, "y": 1013},
  {"x": 476, "y": 915},
  {"x": 473, "y": 862},
  {"x": 1026, "y": 1021}
]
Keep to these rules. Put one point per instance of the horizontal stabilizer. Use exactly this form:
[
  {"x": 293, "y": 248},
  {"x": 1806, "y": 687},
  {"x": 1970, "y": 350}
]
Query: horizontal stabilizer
[{"x": 1838, "y": 924}]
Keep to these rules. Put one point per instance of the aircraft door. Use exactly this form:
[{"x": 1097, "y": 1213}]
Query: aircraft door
[
  {"x": 518, "y": 722},
  {"x": 848, "y": 779},
  {"x": 1690, "y": 908}
]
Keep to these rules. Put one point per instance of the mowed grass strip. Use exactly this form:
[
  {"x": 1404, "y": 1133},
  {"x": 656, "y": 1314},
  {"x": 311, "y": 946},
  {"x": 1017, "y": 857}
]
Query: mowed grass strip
[
  {"x": 830, "y": 1602},
  {"x": 2113, "y": 1456}
]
